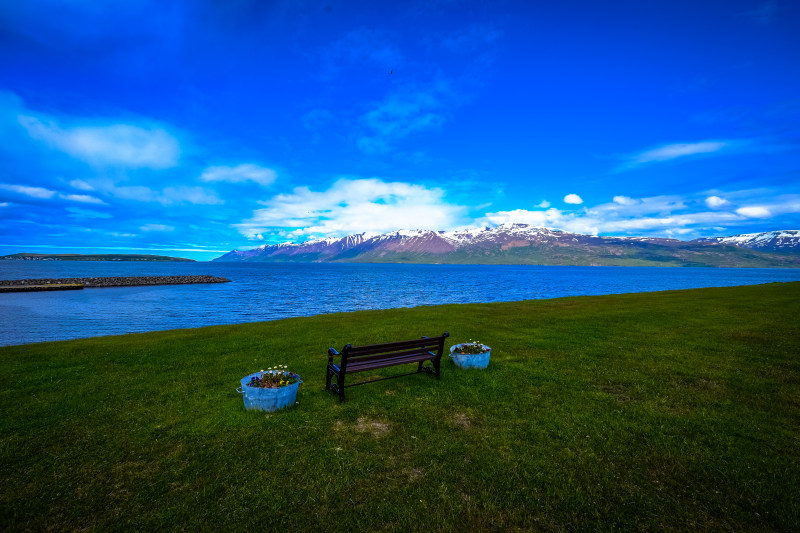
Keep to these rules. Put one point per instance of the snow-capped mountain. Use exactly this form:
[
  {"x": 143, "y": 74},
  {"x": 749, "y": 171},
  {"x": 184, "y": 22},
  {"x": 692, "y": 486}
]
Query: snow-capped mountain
[
  {"x": 773, "y": 241},
  {"x": 519, "y": 244}
]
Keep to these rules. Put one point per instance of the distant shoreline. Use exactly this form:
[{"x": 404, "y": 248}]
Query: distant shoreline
[
  {"x": 92, "y": 257},
  {"x": 51, "y": 284}
]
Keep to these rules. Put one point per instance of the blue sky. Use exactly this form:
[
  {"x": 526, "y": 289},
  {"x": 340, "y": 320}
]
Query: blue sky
[{"x": 192, "y": 128}]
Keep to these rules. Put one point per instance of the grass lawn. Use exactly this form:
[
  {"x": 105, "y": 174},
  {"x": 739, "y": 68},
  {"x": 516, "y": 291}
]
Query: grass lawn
[{"x": 673, "y": 410}]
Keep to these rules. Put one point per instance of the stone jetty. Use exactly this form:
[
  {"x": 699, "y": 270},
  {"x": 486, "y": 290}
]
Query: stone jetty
[{"x": 46, "y": 284}]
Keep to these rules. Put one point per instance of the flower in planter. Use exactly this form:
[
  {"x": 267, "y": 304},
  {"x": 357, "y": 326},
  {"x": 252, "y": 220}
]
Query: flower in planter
[
  {"x": 470, "y": 347},
  {"x": 274, "y": 378}
]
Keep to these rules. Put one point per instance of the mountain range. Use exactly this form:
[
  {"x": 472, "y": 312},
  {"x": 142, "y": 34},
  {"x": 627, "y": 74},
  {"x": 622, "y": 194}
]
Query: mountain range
[{"x": 526, "y": 244}]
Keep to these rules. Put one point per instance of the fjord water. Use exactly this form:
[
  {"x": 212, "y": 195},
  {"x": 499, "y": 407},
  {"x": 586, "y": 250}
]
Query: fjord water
[{"x": 265, "y": 291}]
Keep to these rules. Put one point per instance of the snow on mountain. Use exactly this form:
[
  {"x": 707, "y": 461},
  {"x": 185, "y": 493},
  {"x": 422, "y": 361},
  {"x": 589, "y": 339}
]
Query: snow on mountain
[
  {"x": 484, "y": 242},
  {"x": 775, "y": 241}
]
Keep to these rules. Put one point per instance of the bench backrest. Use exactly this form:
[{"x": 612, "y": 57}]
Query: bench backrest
[{"x": 388, "y": 350}]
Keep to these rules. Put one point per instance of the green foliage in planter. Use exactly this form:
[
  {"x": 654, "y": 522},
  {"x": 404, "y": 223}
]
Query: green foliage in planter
[
  {"x": 274, "y": 378},
  {"x": 471, "y": 347}
]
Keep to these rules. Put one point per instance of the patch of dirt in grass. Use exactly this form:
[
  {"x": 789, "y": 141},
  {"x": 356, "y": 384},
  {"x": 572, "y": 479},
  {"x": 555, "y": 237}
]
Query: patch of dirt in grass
[
  {"x": 616, "y": 391},
  {"x": 709, "y": 384},
  {"x": 415, "y": 474},
  {"x": 375, "y": 428},
  {"x": 461, "y": 420}
]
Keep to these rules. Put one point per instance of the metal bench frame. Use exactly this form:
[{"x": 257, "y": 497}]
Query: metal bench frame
[{"x": 374, "y": 356}]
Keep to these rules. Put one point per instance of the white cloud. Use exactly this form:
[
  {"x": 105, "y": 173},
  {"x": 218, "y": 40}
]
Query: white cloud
[
  {"x": 637, "y": 207},
  {"x": 85, "y": 198},
  {"x": 354, "y": 206},
  {"x": 549, "y": 218},
  {"x": 573, "y": 199},
  {"x": 81, "y": 185},
  {"x": 191, "y": 195},
  {"x": 624, "y": 200},
  {"x": 754, "y": 212},
  {"x": 544, "y": 204},
  {"x": 715, "y": 202},
  {"x": 111, "y": 144},
  {"x": 168, "y": 196},
  {"x": 46, "y": 194},
  {"x": 156, "y": 227},
  {"x": 33, "y": 192},
  {"x": 239, "y": 174},
  {"x": 133, "y": 192},
  {"x": 672, "y": 151}
]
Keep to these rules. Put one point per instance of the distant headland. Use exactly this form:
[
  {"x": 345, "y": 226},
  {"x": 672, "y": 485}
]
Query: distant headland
[
  {"x": 62, "y": 284},
  {"x": 89, "y": 257}
]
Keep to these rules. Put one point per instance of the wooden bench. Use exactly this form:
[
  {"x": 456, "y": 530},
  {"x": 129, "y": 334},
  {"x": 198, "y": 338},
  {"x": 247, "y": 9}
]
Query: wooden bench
[{"x": 373, "y": 356}]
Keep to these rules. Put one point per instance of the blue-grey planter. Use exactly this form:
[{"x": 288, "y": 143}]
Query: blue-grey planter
[
  {"x": 261, "y": 399},
  {"x": 478, "y": 360}
]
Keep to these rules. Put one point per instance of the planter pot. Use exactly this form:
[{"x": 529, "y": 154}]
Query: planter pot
[
  {"x": 261, "y": 399},
  {"x": 470, "y": 360}
]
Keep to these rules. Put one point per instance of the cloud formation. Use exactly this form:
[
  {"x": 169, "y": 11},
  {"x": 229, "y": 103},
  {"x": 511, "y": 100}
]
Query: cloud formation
[
  {"x": 659, "y": 215},
  {"x": 715, "y": 201},
  {"x": 669, "y": 152},
  {"x": 573, "y": 199},
  {"x": 353, "y": 206},
  {"x": 121, "y": 145},
  {"x": 157, "y": 227},
  {"x": 240, "y": 174},
  {"x": 84, "y": 198},
  {"x": 46, "y": 194},
  {"x": 33, "y": 192},
  {"x": 168, "y": 196},
  {"x": 754, "y": 212}
]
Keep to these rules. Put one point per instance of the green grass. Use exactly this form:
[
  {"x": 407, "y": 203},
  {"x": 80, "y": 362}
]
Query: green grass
[{"x": 661, "y": 411}]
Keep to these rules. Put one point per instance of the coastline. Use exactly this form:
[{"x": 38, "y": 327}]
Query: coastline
[{"x": 51, "y": 284}]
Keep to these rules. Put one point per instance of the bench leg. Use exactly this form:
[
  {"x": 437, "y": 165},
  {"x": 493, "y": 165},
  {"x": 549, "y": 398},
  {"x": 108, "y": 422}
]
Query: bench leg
[
  {"x": 419, "y": 366},
  {"x": 340, "y": 386},
  {"x": 328, "y": 375}
]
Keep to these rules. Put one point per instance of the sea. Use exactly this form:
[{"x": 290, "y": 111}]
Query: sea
[{"x": 270, "y": 291}]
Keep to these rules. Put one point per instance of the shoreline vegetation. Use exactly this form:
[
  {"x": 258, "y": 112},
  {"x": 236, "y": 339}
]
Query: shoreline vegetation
[
  {"x": 668, "y": 410},
  {"x": 53, "y": 284},
  {"x": 24, "y": 256}
]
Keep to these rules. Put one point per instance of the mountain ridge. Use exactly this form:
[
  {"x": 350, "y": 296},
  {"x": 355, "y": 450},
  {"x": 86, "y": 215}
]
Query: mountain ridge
[{"x": 526, "y": 244}]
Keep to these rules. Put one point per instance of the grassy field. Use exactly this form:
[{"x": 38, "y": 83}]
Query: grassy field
[{"x": 675, "y": 410}]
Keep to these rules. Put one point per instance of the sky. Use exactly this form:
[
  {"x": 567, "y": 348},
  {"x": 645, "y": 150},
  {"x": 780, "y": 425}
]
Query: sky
[{"x": 190, "y": 128}]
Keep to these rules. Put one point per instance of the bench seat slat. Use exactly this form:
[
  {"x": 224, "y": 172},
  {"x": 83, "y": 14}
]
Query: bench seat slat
[
  {"x": 358, "y": 366},
  {"x": 387, "y": 355},
  {"x": 393, "y": 346}
]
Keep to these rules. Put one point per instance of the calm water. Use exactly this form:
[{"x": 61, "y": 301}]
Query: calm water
[{"x": 272, "y": 291}]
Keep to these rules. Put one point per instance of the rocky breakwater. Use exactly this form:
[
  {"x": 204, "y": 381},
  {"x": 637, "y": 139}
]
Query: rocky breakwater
[{"x": 48, "y": 284}]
